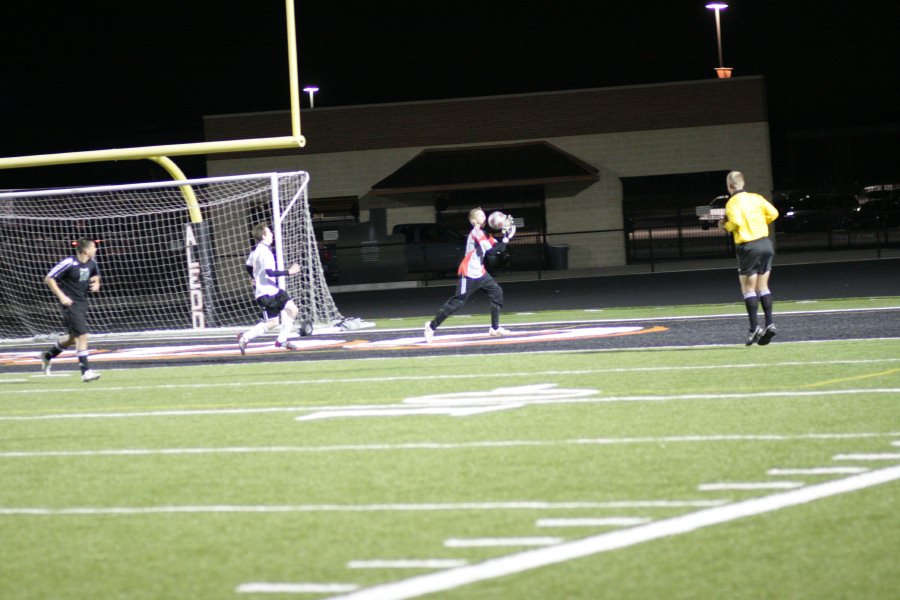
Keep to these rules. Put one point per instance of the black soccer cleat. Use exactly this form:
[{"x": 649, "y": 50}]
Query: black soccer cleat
[
  {"x": 754, "y": 336},
  {"x": 767, "y": 335}
]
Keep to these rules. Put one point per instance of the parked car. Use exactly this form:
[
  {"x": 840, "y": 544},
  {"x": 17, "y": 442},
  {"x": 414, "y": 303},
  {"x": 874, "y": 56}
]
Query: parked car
[
  {"x": 877, "y": 214},
  {"x": 436, "y": 248},
  {"x": 814, "y": 211},
  {"x": 709, "y": 214},
  {"x": 431, "y": 247},
  {"x": 884, "y": 191},
  {"x": 327, "y": 232}
]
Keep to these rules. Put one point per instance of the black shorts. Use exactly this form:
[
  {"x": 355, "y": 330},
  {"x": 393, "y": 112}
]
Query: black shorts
[
  {"x": 273, "y": 305},
  {"x": 755, "y": 258},
  {"x": 75, "y": 318}
]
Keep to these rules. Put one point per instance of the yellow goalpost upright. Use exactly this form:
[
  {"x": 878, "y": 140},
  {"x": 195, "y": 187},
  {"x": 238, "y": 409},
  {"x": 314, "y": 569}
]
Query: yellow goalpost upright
[{"x": 161, "y": 153}]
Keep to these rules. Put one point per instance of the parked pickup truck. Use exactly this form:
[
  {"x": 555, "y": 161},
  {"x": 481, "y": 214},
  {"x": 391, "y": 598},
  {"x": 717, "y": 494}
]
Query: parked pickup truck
[
  {"x": 431, "y": 247},
  {"x": 435, "y": 248}
]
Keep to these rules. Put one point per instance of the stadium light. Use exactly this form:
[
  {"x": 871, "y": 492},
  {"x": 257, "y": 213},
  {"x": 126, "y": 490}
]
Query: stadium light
[
  {"x": 311, "y": 90},
  {"x": 723, "y": 71}
]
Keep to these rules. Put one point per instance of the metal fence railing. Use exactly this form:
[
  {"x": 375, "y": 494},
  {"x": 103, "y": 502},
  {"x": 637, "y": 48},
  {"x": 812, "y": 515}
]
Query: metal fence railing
[
  {"x": 538, "y": 252},
  {"x": 654, "y": 244}
]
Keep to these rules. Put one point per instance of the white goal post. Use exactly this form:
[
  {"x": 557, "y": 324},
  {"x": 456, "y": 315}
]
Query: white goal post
[{"x": 171, "y": 254}]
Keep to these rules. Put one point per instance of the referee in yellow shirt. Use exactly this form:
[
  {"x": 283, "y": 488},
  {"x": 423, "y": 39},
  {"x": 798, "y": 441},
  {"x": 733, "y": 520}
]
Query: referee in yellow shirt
[{"x": 747, "y": 217}]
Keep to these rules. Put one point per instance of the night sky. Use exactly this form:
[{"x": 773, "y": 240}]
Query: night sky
[{"x": 113, "y": 73}]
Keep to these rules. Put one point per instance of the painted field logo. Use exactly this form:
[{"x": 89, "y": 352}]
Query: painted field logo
[{"x": 460, "y": 404}]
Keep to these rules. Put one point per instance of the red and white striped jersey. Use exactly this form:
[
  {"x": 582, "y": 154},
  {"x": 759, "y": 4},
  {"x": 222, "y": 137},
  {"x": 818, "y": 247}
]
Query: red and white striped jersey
[{"x": 477, "y": 245}]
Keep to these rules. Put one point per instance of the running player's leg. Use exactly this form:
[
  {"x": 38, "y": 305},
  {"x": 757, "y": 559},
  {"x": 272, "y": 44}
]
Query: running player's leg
[
  {"x": 495, "y": 292},
  {"x": 288, "y": 315},
  {"x": 464, "y": 290},
  {"x": 78, "y": 331},
  {"x": 269, "y": 321},
  {"x": 55, "y": 350},
  {"x": 765, "y": 295}
]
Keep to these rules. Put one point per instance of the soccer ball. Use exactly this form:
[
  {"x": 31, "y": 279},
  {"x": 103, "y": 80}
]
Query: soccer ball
[
  {"x": 497, "y": 220},
  {"x": 305, "y": 329}
]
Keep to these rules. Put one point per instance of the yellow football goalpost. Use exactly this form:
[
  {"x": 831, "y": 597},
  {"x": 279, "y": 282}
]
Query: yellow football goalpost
[{"x": 161, "y": 154}]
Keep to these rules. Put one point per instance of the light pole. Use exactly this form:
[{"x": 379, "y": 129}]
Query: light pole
[
  {"x": 722, "y": 71},
  {"x": 311, "y": 90}
]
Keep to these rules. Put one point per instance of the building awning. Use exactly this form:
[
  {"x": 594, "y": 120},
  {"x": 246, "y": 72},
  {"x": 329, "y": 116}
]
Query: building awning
[{"x": 513, "y": 165}]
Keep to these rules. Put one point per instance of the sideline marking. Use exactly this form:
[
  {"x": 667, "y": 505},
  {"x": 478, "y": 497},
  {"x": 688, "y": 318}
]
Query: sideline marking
[
  {"x": 516, "y": 336},
  {"x": 605, "y": 542},
  {"x": 485, "y": 444}
]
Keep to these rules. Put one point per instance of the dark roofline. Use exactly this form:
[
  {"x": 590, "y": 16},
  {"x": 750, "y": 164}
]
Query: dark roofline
[
  {"x": 502, "y": 118},
  {"x": 486, "y": 166}
]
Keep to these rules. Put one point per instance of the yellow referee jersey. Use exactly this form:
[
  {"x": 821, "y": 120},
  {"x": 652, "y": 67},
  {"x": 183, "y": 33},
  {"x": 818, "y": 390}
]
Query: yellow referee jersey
[{"x": 748, "y": 216}]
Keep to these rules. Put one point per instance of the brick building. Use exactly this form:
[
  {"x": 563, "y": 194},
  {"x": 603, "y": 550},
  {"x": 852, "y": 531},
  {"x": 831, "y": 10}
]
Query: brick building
[{"x": 562, "y": 161}]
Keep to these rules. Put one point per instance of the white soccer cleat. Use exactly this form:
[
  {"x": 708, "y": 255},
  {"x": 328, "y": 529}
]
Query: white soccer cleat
[
  {"x": 90, "y": 375},
  {"x": 45, "y": 364},
  {"x": 242, "y": 344},
  {"x": 499, "y": 332},
  {"x": 288, "y": 345},
  {"x": 429, "y": 332}
]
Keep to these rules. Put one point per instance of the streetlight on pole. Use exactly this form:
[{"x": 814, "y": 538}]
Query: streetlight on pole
[
  {"x": 311, "y": 90},
  {"x": 722, "y": 71}
]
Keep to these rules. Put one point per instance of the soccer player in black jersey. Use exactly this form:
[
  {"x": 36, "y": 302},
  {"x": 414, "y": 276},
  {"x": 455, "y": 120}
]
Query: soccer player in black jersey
[{"x": 70, "y": 281}]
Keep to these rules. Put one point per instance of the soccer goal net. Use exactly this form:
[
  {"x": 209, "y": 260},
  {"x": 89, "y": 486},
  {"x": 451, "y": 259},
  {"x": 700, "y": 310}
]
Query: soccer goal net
[{"x": 171, "y": 254}]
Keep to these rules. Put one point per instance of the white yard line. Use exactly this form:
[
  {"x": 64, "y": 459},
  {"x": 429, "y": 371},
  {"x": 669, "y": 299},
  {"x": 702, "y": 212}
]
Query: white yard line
[
  {"x": 483, "y": 444},
  {"x": 500, "y": 542},
  {"x": 818, "y": 471},
  {"x": 749, "y": 485},
  {"x": 295, "y": 588},
  {"x": 865, "y": 457},
  {"x": 354, "y": 508},
  {"x": 443, "y": 377},
  {"x": 592, "y": 522},
  {"x": 381, "y": 407},
  {"x": 533, "y": 559},
  {"x": 418, "y": 563}
]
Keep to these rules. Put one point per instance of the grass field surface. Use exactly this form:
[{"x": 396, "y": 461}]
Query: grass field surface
[{"x": 725, "y": 472}]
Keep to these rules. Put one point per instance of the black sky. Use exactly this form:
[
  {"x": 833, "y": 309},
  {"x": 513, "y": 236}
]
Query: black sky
[{"x": 114, "y": 73}]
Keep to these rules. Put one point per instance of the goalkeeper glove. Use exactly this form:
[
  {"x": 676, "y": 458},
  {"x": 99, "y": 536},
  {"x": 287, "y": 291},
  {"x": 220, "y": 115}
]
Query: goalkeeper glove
[{"x": 509, "y": 232}]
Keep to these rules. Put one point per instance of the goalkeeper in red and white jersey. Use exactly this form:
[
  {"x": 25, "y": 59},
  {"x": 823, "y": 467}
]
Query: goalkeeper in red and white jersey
[
  {"x": 473, "y": 276},
  {"x": 273, "y": 300}
]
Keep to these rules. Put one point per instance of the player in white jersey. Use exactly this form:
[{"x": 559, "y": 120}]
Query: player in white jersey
[
  {"x": 273, "y": 300},
  {"x": 473, "y": 276}
]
